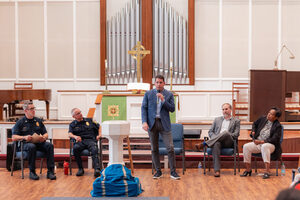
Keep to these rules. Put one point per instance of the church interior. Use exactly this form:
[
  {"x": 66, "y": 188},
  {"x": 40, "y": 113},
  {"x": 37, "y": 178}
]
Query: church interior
[{"x": 101, "y": 56}]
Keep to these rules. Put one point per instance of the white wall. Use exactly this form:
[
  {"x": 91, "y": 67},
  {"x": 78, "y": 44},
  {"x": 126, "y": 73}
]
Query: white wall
[{"x": 56, "y": 43}]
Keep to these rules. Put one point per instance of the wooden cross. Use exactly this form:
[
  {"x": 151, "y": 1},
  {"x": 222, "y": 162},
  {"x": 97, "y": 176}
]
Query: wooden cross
[{"x": 138, "y": 52}]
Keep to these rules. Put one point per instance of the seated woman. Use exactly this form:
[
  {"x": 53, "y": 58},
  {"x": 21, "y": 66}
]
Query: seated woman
[{"x": 266, "y": 134}]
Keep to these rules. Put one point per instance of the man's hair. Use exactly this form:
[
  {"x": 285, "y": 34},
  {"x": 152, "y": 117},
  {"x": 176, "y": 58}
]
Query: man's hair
[
  {"x": 277, "y": 112},
  {"x": 228, "y": 105},
  {"x": 26, "y": 104},
  {"x": 73, "y": 111},
  {"x": 288, "y": 194},
  {"x": 160, "y": 77}
]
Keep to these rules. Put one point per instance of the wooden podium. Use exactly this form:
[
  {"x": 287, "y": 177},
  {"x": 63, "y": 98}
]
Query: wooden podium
[{"x": 268, "y": 88}]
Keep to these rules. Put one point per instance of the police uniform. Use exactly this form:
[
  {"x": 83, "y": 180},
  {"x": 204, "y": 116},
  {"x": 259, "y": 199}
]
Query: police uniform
[
  {"x": 88, "y": 131},
  {"x": 24, "y": 127}
]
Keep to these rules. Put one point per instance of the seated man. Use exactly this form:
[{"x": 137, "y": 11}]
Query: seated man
[
  {"x": 86, "y": 133},
  {"x": 222, "y": 134},
  {"x": 23, "y": 130},
  {"x": 266, "y": 134}
]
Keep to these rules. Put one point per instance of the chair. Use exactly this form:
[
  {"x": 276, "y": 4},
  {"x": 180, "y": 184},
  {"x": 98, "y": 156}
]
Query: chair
[
  {"x": 129, "y": 155},
  {"x": 234, "y": 152},
  {"x": 258, "y": 155},
  {"x": 178, "y": 141},
  {"x": 23, "y": 155},
  {"x": 86, "y": 152}
]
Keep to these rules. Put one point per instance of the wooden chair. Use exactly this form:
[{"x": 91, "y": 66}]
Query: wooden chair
[
  {"x": 238, "y": 104},
  {"x": 129, "y": 155}
]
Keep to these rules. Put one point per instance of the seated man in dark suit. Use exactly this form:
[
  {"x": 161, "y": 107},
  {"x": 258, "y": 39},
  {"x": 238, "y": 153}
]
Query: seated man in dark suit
[
  {"x": 23, "y": 130},
  {"x": 222, "y": 133},
  {"x": 86, "y": 133}
]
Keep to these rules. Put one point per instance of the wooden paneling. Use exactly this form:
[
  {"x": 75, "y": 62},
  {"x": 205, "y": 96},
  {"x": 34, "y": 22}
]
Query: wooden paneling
[
  {"x": 102, "y": 40},
  {"x": 191, "y": 42},
  {"x": 267, "y": 89},
  {"x": 147, "y": 40}
]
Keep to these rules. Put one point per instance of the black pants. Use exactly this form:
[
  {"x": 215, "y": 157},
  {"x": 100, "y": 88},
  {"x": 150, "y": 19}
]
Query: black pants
[
  {"x": 45, "y": 147},
  {"x": 89, "y": 144}
]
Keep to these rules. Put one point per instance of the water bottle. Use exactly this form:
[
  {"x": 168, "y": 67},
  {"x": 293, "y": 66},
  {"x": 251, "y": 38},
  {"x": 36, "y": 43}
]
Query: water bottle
[
  {"x": 200, "y": 167},
  {"x": 282, "y": 169}
]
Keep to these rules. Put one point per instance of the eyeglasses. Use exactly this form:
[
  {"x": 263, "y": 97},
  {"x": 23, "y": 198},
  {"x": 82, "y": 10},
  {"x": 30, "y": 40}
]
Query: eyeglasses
[
  {"x": 78, "y": 113},
  {"x": 33, "y": 108}
]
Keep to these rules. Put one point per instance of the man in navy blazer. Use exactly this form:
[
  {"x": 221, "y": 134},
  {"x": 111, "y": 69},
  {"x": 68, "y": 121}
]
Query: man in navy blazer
[{"x": 157, "y": 104}]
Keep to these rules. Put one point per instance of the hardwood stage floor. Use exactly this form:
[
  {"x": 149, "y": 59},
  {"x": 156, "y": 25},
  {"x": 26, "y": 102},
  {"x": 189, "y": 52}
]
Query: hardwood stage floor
[{"x": 191, "y": 186}]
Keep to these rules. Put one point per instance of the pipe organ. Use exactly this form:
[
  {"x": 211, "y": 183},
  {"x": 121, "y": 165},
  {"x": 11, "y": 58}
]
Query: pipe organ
[{"x": 169, "y": 43}]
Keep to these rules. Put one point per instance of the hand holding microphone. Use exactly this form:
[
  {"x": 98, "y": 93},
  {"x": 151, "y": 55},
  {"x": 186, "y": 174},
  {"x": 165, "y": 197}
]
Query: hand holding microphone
[{"x": 160, "y": 96}]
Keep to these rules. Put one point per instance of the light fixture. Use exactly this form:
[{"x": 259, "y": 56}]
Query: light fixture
[{"x": 280, "y": 52}]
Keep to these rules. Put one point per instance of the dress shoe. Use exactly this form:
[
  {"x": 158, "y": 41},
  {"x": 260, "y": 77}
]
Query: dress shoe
[
  {"x": 246, "y": 173},
  {"x": 266, "y": 175},
  {"x": 33, "y": 176},
  {"x": 97, "y": 173},
  {"x": 51, "y": 176},
  {"x": 80, "y": 172},
  {"x": 217, "y": 173}
]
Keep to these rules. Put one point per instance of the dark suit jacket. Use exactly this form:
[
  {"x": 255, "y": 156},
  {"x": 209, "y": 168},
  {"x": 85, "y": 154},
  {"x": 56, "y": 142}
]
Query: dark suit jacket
[
  {"x": 149, "y": 108},
  {"x": 275, "y": 135}
]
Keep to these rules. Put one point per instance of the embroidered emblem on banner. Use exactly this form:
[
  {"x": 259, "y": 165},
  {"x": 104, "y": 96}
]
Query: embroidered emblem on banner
[{"x": 113, "y": 111}]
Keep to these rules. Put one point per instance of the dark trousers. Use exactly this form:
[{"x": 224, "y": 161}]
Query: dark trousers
[
  {"x": 89, "y": 144},
  {"x": 224, "y": 140},
  {"x": 168, "y": 141},
  {"x": 45, "y": 147}
]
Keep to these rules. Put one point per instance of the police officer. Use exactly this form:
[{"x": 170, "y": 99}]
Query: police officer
[
  {"x": 86, "y": 133},
  {"x": 23, "y": 130}
]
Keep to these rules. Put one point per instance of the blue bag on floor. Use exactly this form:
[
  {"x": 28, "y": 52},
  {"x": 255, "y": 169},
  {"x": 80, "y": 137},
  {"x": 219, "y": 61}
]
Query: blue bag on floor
[{"x": 116, "y": 181}]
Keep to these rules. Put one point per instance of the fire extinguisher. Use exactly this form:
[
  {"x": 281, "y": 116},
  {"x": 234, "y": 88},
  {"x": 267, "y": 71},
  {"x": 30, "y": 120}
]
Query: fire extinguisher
[{"x": 66, "y": 168}]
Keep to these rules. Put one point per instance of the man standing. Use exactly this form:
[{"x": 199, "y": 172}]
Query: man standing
[
  {"x": 157, "y": 104},
  {"x": 86, "y": 133},
  {"x": 23, "y": 130},
  {"x": 223, "y": 132}
]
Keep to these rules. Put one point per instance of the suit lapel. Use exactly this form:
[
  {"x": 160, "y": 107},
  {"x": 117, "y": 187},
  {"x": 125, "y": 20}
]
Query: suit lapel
[{"x": 230, "y": 124}]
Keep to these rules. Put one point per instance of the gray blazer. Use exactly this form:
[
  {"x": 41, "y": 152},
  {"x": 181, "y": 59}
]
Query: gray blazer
[{"x": 233, "y": 129}]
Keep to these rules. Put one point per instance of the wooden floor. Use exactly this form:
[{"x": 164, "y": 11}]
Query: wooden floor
[{"x": 191, "y": 186}]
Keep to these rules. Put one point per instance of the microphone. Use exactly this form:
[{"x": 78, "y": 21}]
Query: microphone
[{"x": 280, "y": 52}]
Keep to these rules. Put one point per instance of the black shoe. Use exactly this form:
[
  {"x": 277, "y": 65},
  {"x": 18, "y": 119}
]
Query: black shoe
[
  {"x": 217, "y": 174},
  {"x": 174, "y": 175},
  {"x": 266, "y": 175},
  {"x": 80, "y": 172},
  {"x": 246, "y": 173},
  {"x": 157, "y": 175},
  {"x": 51, "y": 176},
  {"x": 97, "y": 173},
  {"x": 33, "y": 176}
]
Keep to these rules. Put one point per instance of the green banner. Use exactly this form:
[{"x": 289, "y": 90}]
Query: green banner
[
  {"x": 173, "y": 114},
  {"x": 114, "y": 108}
]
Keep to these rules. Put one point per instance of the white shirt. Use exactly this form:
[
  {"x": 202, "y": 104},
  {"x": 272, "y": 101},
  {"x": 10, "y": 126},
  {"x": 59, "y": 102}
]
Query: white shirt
[{"x": 225, "y": 125}]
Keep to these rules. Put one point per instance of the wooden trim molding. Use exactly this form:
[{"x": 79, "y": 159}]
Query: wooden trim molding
[
  {"x": 102, "y": 40},
  {"x": 147, "y": 39},
  {"x": 191, "y": 42}
]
